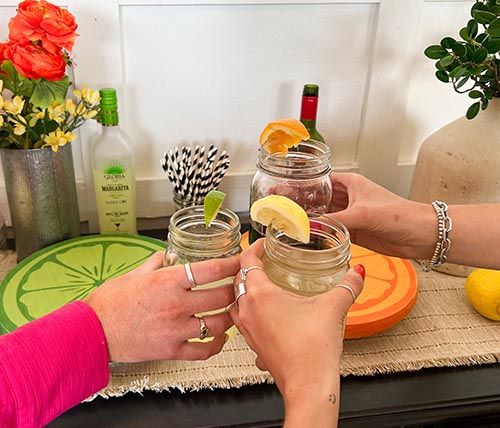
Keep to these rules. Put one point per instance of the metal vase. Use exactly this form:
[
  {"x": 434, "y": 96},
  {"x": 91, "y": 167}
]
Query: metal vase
[{"x": 41, "y": 191}]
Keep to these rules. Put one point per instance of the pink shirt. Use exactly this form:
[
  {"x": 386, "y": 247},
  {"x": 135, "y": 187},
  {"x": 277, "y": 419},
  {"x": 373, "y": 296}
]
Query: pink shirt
[{"x": 51, "y": 364}]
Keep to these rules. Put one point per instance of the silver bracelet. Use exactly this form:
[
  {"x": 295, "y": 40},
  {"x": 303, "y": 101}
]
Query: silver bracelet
[{"x": 443, "y": 243}]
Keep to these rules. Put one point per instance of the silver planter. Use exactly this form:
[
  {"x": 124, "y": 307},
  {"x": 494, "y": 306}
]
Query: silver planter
[{"x": 41, "y": 191}]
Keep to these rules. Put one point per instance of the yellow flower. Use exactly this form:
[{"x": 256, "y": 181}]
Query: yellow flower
[
  {"x": 1, "y": 120},
  {"x": 70, "y": 106},
  {"x": 15, "y": 106},
  {"x": 58, "y": 139},
  {"x": 90, "y": 114},
  {"x": 87, "y": 95},
  {"x": 19, "y": 124},
  {"x": 37, "y": 114},
  {"x": 56, "y": 112}
]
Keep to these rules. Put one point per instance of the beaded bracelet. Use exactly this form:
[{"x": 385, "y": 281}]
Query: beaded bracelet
[{"x": 443, "y": 243}]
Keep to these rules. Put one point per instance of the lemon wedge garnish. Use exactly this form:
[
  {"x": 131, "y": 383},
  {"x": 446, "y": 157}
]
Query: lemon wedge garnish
[{"x": 284, "y": 215}]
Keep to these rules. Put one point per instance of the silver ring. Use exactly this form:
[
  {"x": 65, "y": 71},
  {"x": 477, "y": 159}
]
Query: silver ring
[
  {"x": 204, "y": 331},
  {"x": 244, "y": 271},
  {"x": 349, "y": 289},
  {"x": 190, "y": 277},
  {"x": 239, "y": 290}
]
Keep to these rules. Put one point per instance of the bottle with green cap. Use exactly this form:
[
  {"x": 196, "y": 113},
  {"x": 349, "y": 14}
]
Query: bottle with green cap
[
  {"x": 309, "y": 110},
  {"x": 114, "y": 171}
]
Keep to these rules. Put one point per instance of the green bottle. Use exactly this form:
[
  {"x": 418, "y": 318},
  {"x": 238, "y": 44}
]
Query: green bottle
[
  {"x": 114, "y": 171},
  {"x": 309, "y": 109}
]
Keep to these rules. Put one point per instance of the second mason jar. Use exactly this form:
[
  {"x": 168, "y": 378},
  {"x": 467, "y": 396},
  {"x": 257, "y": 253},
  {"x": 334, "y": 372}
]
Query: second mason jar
[
  {"x": 189, "y": 240},
  {"x": 311, "y": 268},
  {"x": 302, "y": 174}
]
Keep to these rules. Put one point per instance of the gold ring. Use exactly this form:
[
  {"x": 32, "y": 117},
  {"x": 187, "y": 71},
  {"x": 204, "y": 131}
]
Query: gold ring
[{"x": 204, "y": 331}]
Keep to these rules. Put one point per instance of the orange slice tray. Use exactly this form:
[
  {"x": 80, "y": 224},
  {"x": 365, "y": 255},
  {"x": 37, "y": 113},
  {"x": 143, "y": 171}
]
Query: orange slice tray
[{"x": 389, "y": 293}]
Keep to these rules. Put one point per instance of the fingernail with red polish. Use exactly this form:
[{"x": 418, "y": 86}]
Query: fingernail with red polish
[{"x": 360, "y": 270}]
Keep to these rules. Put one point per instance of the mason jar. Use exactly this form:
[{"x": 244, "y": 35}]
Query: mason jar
[
  {"x": 189, "y": 240},
  {"x": 312, "y": 268},
  {"x": 302, "y": 174}
]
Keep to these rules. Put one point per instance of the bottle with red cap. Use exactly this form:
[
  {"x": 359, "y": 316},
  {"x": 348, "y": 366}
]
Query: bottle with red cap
[{"x": 309, "y": 109}]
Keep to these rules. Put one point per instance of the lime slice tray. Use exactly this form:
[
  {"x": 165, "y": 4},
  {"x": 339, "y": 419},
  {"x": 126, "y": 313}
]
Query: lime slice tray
[{"x": 68, "y": 271}]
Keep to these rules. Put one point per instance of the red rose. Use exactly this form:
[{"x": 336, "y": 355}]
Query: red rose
[
  {"x": 35, "y": 62},
  {"x": 42, "y": 21}
]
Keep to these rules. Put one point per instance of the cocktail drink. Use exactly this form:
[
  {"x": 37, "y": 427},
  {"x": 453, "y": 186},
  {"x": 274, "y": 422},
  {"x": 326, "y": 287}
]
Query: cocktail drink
[
  {"x": 308, "y": 268},
  {"x": 190, "y": 240},
  {"x": 301, "y": 174}
]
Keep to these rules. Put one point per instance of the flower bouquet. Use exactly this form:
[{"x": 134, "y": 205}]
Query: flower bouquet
[
  {"x": 34, "y": 109},
  {"x": 35, "y": 114}
]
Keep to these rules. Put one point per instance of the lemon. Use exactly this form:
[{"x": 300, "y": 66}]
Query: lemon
[
  {"x": 284, "y": 214},
  {"x": 483, "y": 291},
  {"x": 211, "y": 205}
]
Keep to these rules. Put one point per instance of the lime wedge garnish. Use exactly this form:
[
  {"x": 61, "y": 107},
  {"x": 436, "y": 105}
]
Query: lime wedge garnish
[{"x": 211, "y": 205}]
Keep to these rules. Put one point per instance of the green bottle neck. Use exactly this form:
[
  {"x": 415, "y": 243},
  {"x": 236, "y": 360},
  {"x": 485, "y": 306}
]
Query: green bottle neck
[{"x": 109, "y": 118}]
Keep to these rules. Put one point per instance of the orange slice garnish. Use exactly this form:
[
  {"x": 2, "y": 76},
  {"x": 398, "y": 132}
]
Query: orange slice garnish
[{"x": 283, "y": 134}]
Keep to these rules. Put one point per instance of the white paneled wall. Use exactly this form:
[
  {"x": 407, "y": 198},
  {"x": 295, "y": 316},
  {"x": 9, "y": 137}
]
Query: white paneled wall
[{"x": 201, "y": 72}]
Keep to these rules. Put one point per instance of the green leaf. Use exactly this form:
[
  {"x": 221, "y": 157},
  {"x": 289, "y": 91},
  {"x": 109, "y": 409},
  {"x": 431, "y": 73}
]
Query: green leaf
[
  {"x": 443, "y": 76},
  {"x": 464, "y": 34},
  {"x": 458, "y": 72},
  {"x": 484, "y": 104},
  {"x": 45, "y": 92},
  {"x": 435, "y": 52},
  {"x": 478, "y": 6},
  {"x": 475, "y": 94},
  {"x": 492, "y": 45},
  {"x": 480, "y": 55},
  {"x": 472, "y": 28},
  {"x": 448, "y": 42},
  {"x": 459, "y": 49},
  {"x": 461, "y": 82},
  {"x": 494, "y": 28},
  {"x": 483, "y": 17},
  {"x": 481, "y": 38},
  {"x": 447, "y": 60},
  {"x": 472, "y": 111}
]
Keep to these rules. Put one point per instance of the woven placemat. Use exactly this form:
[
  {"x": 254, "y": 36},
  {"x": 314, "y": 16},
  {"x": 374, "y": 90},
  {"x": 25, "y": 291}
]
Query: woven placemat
[{"x": 441, "y": 330}]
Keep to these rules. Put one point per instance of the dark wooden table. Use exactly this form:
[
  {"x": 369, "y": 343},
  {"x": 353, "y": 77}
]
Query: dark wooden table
[
  {"x": 463, "y": 397},
  {"x": 466, "y": 397}
]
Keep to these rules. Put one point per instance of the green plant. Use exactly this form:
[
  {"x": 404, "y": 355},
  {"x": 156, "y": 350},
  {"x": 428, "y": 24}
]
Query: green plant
[{"x": 472, "y": 65}]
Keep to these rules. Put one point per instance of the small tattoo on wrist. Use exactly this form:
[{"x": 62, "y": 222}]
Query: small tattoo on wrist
[{"x": 332, "y": 398}]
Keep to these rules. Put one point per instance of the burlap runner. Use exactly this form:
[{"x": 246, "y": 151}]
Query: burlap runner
[{"x": 441, "y": 330}]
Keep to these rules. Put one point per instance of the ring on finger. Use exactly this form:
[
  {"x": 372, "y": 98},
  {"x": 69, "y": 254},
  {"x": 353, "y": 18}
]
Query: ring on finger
[
  {"x": 190, "y": 277},
  {"x": 348, "y": 289},
  {"x": 204, "y": 331},
  {"x": 239, "y": 290}
]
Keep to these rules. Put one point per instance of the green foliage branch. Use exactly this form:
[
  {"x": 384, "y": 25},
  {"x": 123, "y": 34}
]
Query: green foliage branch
[{"x": 472, "y": 64}]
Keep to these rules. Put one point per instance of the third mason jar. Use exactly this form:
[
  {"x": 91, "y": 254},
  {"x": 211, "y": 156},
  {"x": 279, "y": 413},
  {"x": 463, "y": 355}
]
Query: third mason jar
[
  {"x": 302, "y": 174},
  {"x": 311, "y": 268}
]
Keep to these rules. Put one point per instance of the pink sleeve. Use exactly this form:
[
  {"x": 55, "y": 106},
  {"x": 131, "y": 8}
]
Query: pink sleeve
[{"x": 51, "y": 364}]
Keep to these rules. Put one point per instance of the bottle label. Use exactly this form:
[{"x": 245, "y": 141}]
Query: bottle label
[
  {"x": 309, "y": 108},
  {"x": 115, "y": 196}
]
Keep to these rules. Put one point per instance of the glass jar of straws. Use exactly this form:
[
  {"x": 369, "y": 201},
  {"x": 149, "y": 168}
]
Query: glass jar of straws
[{"x": 193, "y": 173}]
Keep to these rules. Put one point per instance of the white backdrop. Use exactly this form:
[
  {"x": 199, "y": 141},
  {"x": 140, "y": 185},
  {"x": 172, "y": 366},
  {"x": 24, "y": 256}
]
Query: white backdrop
[{"x": 191, "y": 72}]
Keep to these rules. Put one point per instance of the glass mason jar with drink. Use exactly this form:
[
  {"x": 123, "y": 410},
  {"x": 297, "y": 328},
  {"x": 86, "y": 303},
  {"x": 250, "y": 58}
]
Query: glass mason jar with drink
[
  {"x": 302, "y": 173},
  {"x": 190, "y": 240},
  {"x": 308, "y": 268}
]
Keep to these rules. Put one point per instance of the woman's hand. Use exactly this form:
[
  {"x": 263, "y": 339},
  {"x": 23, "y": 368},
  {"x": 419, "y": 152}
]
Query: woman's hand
[
  {"x": 148, "y": 313},
  {"x": 382, "y": 221},
  {"x": 298, "y": 339}
]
